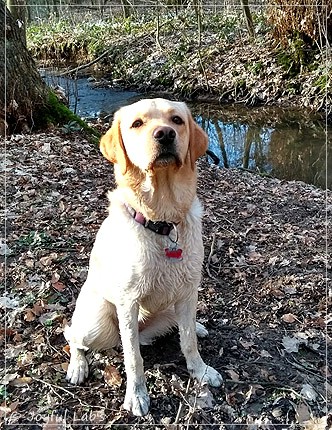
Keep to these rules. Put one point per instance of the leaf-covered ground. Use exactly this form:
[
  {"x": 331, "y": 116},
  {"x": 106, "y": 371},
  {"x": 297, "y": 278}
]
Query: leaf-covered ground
[{"x": 263, "y": 299}]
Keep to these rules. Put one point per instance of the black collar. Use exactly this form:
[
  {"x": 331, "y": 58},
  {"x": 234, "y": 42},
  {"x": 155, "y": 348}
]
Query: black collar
[{"x": 160, "y": 227}]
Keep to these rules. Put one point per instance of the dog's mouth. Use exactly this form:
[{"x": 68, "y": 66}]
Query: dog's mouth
[{"x": 165, "y": 159}]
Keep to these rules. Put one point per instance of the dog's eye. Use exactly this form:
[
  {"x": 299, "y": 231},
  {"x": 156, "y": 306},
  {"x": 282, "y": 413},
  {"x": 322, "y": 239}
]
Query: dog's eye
[
  {"x": 137, "y": 123},
  {"x": 177, "y": 120}
]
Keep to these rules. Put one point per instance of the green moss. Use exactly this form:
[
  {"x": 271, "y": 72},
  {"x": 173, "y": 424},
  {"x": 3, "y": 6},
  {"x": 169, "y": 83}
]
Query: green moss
[{"x": 58, "y": 114}]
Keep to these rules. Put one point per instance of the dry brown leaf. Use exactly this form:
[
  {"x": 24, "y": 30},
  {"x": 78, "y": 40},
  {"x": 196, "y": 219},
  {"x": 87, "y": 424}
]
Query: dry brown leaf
[
  {"x": 302, "y": 412},
  {"x": 59, "y": 286},
  {"x": 29, "y": 315},
  {"x": 234, "y": 376},
  {"x": 7, "y": 332},
  {"x": 64, "y": 366},
  {"x": 112, "y": 376},
  {"x": 66, "y": 350},
  {"x": 13, "y": 406},
  {"x": 37, "y": 309},
  {"x": 4, "y": 411},
  {"x": 245, "y": 344},
  {"x": 20, "y": 382},
  {"x": 39, "y": 339},
  {"x": 55, "y": 277},
  {"x": 46, "y": 261},
  {"x": 29, "y": 263},
  {"x": 289, "y": 318}
]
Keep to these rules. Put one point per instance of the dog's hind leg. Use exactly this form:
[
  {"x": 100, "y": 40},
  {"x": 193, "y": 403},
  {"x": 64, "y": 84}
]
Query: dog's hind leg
[
  {"x": 161, "y": 324},
  {"x": 93, "y": 326},
  {"x": 156, "y": 325}
]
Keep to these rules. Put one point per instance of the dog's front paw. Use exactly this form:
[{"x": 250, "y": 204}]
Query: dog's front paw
[
  {"x": 78, "y": 368},
  {"x": 201, "y": 331},
  {"x": 137, "y": 400},
  {"x": 208, "y": 375}
]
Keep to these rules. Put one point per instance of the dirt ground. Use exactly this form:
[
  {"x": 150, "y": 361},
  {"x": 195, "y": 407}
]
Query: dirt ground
[{"x": 263, "y": 300}]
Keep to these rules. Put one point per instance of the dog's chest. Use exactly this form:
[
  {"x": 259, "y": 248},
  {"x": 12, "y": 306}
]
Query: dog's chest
[
  {"x": 159, "y": 273},
  {"x": 135, "y": 261}
]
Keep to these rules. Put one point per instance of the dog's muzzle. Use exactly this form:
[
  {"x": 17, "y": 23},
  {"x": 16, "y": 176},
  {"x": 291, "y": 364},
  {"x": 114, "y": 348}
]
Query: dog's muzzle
[{"x": 165, "y": 137}]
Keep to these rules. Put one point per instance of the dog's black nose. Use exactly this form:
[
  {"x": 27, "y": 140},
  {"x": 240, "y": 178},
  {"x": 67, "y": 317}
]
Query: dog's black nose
[{"x": 164, "y": 135}]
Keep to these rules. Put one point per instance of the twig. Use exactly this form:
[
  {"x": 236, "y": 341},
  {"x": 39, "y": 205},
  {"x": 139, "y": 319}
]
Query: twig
[
  {"x": 60, "y": 388},
  {"x": 74, "y": 396},
  {"x": 69, "y": 72},
  {"x": 210, "y": 256},
  {"x": 181, "y": 404},
  {"x": 304, "y": 368}
]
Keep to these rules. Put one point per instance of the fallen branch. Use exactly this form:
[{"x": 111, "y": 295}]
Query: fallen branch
[
  {"x": 210, "y": 256},
  {"x": 69, "y": 72}
]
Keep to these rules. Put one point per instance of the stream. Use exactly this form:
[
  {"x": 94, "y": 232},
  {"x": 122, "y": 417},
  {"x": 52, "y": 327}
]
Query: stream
[{"x": 285, "y": 143}]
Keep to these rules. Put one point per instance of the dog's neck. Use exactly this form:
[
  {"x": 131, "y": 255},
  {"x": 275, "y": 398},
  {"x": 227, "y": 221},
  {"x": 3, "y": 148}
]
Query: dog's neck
[{"x": 161, "y": 195}]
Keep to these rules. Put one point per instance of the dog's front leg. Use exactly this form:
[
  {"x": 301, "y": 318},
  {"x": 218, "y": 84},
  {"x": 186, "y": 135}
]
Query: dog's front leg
[
  {"x": 186, "y": 318},
  {"x": 137, "y": 399}
]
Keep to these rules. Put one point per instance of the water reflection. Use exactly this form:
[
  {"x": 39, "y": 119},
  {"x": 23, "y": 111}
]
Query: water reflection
[{"x": 283, "y": 143}]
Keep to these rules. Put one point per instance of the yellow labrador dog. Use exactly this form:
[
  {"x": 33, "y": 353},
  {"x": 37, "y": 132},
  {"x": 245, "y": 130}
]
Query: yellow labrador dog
[{"x": 145, "y": 266}]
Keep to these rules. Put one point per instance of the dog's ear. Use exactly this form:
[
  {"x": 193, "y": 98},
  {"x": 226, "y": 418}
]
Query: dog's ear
[
  {"x": 112, "y": 147},
  {"x": 198, "y": 141}
]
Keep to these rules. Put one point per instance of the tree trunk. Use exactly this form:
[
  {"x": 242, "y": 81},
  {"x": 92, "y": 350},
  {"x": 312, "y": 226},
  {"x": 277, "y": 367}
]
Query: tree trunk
[
  {"x": 23, "y": 94},
  {"x": 18, "y": 9},
  {"x": 126, "y": 7},
  {"x": 248, "y": 17}
]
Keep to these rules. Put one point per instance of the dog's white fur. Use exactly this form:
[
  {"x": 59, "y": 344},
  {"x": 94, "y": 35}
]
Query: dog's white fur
[{"x": 133, "y": 289}]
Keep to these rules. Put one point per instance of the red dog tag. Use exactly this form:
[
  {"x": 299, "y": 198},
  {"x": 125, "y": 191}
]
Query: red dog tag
[{"x": 174, "y": 253}]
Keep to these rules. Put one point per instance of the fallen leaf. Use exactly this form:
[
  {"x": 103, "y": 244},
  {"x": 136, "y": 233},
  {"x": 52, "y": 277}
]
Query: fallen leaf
[
  {"x": 291, "y": 344},
  {"x": 37, "y": 309},
  {"x": 59, "y": 286},
  {"x": 46, "y": 261},
  {"x": 112, "y": 376},
  {"x": 21, "y": 382},
  {"x": 7, "y": 332},
  {"x": 289, "y": 318},
  {"x": 13, "y": 406},
  {"x": 55, "y": 277},
  {"x": 48, "y": 316},
  {"x": 245, "y": 344},
  {"x": 273, "y": 260},
  {"x": 8, "y": 378},
  {"x": 39, "y": 339},
  {"x": 4, "y": 411},
  {"x": 265, "y": 354},
  {"x": 66, "y": 349},
  {"x": 302, "y": 412},
  {"x": 29, "y": 315},
  {"x": 234, "y": 376},
  {"x": 308, "y": 393},
  {"x": 277, "y": 293},
  {"x": 316, "y": 424},
  {"x": 65, "y": 366},
  {"x": 203, "y": 399},
  {"x": 14, "y": 351}
]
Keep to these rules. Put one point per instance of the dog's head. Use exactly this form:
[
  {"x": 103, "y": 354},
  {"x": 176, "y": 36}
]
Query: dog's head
[{"x": 154, "y": 134}]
